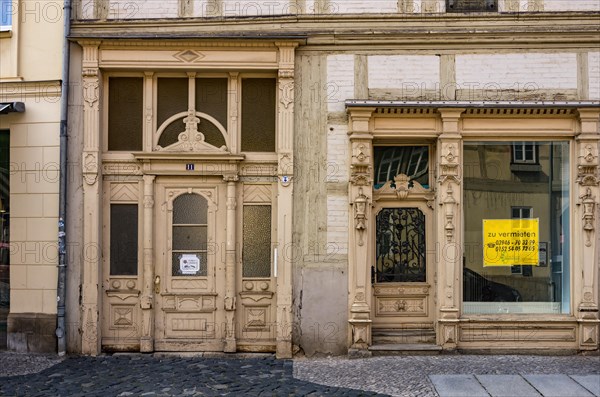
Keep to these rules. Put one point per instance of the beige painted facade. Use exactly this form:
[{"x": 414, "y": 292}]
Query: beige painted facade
[
  {"x": 308, "y": 205},
  {"x": 30, "y": 72}
]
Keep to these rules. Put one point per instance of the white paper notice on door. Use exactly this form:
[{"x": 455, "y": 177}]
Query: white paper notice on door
[{"x": 189, "y": 264}]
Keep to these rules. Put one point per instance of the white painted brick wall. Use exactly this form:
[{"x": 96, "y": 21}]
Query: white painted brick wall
[
  {"x": 594, "y": 76},
  {"x": 337, "y": 154},
  {"x": 201, "y": 9},
  {"x": 141, "y": 9},
  {"x": 517, "y": 71},
  {"x": 571, "y": 5},
  {"x": 408, "y": 72},
  {"x": 363, "y": 7},
  {"x": 340, "y": 81},
  {"x": 236, "y": 8},
  {"x": 337, "y": 222}
]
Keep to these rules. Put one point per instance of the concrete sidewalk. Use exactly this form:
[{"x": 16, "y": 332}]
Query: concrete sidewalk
[
  {"x": 459, "y": 375},
  {"x": 516, "y": 385}
]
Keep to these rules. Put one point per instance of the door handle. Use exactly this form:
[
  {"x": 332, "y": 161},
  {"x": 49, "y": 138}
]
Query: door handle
[{"x": 157, "y": 285}]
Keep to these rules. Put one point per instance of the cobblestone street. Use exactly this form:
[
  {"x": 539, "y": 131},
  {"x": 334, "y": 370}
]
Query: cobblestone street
[{"x": 140, "y": 375}]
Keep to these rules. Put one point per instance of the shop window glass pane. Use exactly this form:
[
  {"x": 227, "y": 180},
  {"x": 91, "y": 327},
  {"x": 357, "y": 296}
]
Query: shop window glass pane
[
  {"x": 4, "y": 234},
  {"x": 172, "y": 98},
  {"x": 125, "y": 113},
  {"x": 189, "y": 235},
  {"x": 516, "y": 222},
  {"x": 258, "y": 115},
  {"x": 256, "y": 245},
  {"x": 123, "y": 239},
  {"x": 412, "y": 161}
]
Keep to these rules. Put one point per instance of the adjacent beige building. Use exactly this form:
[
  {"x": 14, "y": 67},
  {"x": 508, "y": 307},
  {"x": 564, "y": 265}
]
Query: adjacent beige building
[
  {"x": 331, "y": 177},
  {"x": 30, "y": 74}
]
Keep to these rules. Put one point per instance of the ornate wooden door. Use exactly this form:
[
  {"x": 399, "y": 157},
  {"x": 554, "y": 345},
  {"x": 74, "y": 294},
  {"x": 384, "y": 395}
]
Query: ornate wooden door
[
  {"x": 190, "y": 270},
  {"x": 403, "y": 269}
]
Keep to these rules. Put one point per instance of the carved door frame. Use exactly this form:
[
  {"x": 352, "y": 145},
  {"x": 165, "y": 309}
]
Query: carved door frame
[{"x": 420, "y": 296}]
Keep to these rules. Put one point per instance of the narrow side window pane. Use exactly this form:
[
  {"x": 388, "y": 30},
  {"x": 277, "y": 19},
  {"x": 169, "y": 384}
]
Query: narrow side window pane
[
  {"x": 123, "y": 239},
  {"x": 125, "y": 113},
  {"x": 172, "y": 99},
  {"x": 211, "y": 98},
  {"x": 258, "y": 115},
  {"x": 256, "y": 244}
]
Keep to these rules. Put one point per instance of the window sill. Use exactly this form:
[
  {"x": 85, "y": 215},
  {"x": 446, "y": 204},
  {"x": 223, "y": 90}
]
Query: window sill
[{"x": 6, "y": 34}]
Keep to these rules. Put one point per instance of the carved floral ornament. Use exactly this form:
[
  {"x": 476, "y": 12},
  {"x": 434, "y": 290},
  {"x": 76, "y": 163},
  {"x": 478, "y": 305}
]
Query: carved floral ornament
[
  {"x": 587, "y": 169},
  {"x": 360, "y": 215},
  {"x": 449, "y": 164},
  {"x": 191, "y": 139},
  {"x": 588, "y": 203}
]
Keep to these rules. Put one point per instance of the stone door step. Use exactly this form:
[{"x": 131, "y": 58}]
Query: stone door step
[{"x": 404, "y": 348}]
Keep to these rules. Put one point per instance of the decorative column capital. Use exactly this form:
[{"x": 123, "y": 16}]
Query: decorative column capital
[{"x": 450, "y": 122}]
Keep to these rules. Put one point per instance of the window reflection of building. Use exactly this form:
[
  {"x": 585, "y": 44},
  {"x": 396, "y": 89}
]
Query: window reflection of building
[{"x": 494, "y": 189}]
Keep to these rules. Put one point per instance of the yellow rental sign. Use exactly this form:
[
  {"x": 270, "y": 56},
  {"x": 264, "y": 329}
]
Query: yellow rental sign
[{"x": 508, "y": 242}]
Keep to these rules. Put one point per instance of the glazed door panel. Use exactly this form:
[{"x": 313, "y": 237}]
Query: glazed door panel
[
  {"x": 403, "y": 271},
  {"x": 190, "y": 275}
]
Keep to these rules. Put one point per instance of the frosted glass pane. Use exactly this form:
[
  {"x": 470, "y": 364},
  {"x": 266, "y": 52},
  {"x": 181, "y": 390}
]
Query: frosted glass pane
[
  {"x": 172, "y": 98},
  {"x": 125, "y": 113},
  {"x": 258, "y": 115},
  {"x": 190, "y": 209},
  {"x": 212, "y": 135},
  {"x": 123, "y": 239},
  {"x": 256, "y": 250},
  {"x": 189, "y": 237},
  {"x": 211, "y": 98}
]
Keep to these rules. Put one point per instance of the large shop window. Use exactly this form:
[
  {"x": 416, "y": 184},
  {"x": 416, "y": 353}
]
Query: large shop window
[{"x": 516, "y": 228}]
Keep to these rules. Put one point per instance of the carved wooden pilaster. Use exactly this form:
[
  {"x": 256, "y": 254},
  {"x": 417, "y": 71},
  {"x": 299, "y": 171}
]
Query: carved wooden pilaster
[
  {"x": 147, "y": 298},
  {"x": 92, "y": 218},
  {"x": 586, "y": 223},
  {"x": 285, "y": 174},
  {"x": 230, "y": 260},
  {"x": 359, "y": 195},
  {"x": 449, "y": 219},
  {"x": 233, "y": 106}
]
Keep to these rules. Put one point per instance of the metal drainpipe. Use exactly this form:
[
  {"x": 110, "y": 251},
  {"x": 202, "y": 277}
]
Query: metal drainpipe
[{"x": 62, "y": 195}]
